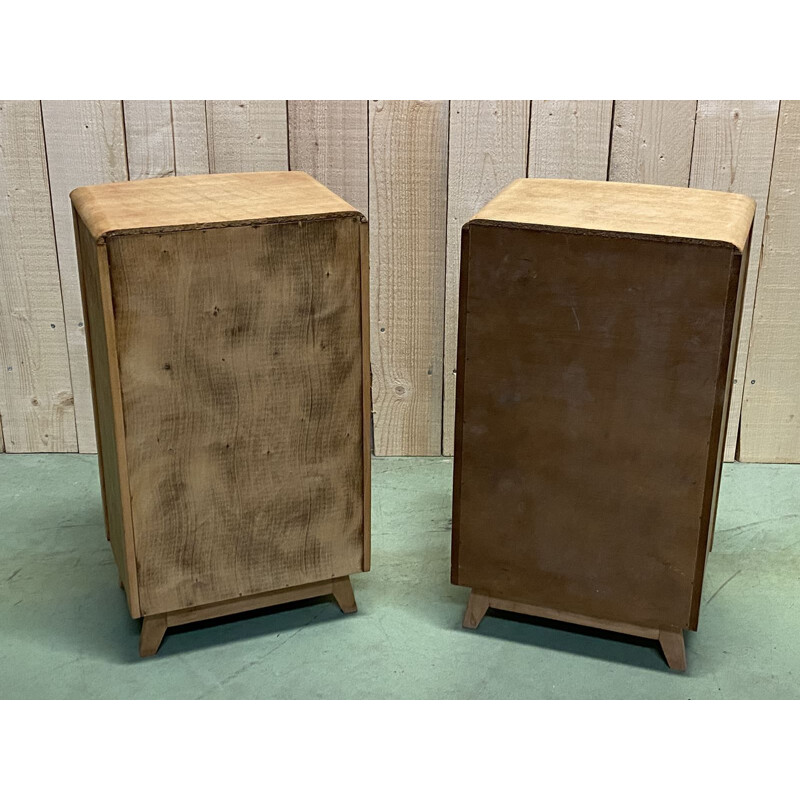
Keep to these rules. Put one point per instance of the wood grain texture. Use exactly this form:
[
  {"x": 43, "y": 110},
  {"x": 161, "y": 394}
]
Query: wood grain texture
[
  {"x": 408, "y": 231},
  {"x": 85, "y": 144},
  {"x": 190, "y": 137},
  {"x": 770, "y": 424},
  {"x": 328, "y": 140},
  {"x": 623, "y": 209},
  {"x": 247, "y": 135},
  {"x": 101, "y": 341},
  {"x": 570, "y": 139},
  {"x": 242, "y": 400},
  {"x": 148, "y": 134},
  {"x": 205, "y": 201},
  {"x": 733, "y": 147},
  {"x": 569, "y": 350},
  {"x": 36, "y": 401},
  {"x": 488, "y": 150},
  {"x": 652, "y": 141}
]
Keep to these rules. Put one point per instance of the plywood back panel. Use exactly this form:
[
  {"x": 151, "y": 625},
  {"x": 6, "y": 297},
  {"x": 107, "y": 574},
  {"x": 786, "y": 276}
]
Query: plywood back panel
[
  {"x": 36, "y": 401},
  {"x": 567, "y": 494},
  {"x": 212, "y": 392},
  {"x": 408, "y": 208}
]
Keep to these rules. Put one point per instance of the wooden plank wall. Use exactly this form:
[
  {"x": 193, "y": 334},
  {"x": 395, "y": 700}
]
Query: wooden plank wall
[{"x": 419, "y": 170}]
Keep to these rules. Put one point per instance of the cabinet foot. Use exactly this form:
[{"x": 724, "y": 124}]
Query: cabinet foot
[
  {"x": 477, "y": 606},
  {"x": 343, "y": 595},
  {"x": 153, "y": 630},
  {"x": 674, "y": 649}
]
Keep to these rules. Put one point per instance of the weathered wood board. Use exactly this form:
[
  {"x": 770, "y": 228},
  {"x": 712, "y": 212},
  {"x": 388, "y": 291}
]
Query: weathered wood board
[
  {"x": 36, "y": 403},
  {"x": 770, "y": 427},
  {"x": 408, "y": 233}
]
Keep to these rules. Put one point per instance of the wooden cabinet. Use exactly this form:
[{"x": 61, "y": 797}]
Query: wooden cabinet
[
  {"x": 595, "y": 355},
  {"x": 227, "y": 320}
]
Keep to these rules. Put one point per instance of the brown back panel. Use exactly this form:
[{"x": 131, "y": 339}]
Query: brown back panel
[
  {"x": 591, "y": 383},
  {"x": 241, "y": 374}
]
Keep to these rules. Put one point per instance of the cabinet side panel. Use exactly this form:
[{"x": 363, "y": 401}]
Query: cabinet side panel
[
  {"x": 241, "y": 373},
  {"x": 591, "y": 391},
  {"x": 93, "y": 273}
]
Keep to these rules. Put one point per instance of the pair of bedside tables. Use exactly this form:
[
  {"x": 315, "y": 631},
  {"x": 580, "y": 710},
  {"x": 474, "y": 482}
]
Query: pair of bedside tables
[{"x": 227, "y": 321}]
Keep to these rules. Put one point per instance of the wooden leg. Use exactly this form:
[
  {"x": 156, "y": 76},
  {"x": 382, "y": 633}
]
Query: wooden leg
[
  {"x": 477, "y": 606},
  {"x": 153, "y": 630},
  {"x": 343, "y": 594},
  {"x": 674, "y": 649}
]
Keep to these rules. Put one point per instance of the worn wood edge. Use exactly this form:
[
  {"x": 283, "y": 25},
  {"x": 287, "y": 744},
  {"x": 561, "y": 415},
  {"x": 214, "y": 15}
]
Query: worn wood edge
[
  {"x": 737, "y": 278},
  {"x": 648, "y": 237},
  {"x": 366, "y": 395},
  {"x": 90, "y": 207},
  {"x": 90, "y": 358},
  {"x": 238, "y": 605},
  {"x": 463, "y": 293},
  {"x": 244, "y": 223},
  {"x": 132, "y": 585},
  {"x": 483, "y": 216}
]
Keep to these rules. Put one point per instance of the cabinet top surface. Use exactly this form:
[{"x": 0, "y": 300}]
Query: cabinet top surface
[
  {"x": 204, "y": 201},
  {"x": 632, "y": 209}
]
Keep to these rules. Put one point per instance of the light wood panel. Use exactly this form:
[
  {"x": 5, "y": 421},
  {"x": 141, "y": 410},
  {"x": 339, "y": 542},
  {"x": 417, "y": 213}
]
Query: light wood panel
[
  {"x": 570, "y": 139},
  {"x": 770, "y": 427},
  {"x": 205, "y": 433},
  {"x": 148, "y": 133},
  {"x": 85, "y": 144},
  {"x": 190, "y": 137},
  {"x": 733, "y": 146},
  {"x": 408, "y": 215},
  {"x": 328, "y": 139},
  {"x": 36, "y": 402},
  {"x": 652, "y": 141},
  {"x": 488, "y": 150},
  {"x": 247, "y": 135}
]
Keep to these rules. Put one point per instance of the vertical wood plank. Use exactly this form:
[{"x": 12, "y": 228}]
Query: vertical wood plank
[
  {"x": 328, "y": 139},
  {"x": 733, "y": 147},
  {"x": 190, "y": 137},
  {"x": 36, "y": 401},
  {"x": 247, "y": 135},
  {"x": 770, "y": 426},
  {"x": 148, "y": 131},
  {"x": 408, "y": 230},
  {"x": 85, "y": 144},
  {"x": 488, "y": 150},
  {"x": 651, "y": 141},
  {"x": 570, "y": 139}
]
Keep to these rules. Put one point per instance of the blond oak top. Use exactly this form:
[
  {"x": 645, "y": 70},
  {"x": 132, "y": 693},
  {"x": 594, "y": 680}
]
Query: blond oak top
[
  {"x": 632, "y": 209},
  {"x": 204, "y": 201}
]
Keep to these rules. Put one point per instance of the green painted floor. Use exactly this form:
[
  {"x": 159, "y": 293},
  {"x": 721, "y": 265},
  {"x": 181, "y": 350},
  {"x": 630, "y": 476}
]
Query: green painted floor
[{"x": 65, "y": 631}]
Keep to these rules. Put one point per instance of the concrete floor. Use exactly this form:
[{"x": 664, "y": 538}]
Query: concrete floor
[{"x": 65, "y": 631}]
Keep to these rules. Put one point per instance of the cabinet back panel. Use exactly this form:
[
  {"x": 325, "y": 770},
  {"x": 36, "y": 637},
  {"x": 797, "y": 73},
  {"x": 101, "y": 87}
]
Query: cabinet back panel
[
  {"x": 592, "y": 376},
  {"x": 241, "y": 375}
]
